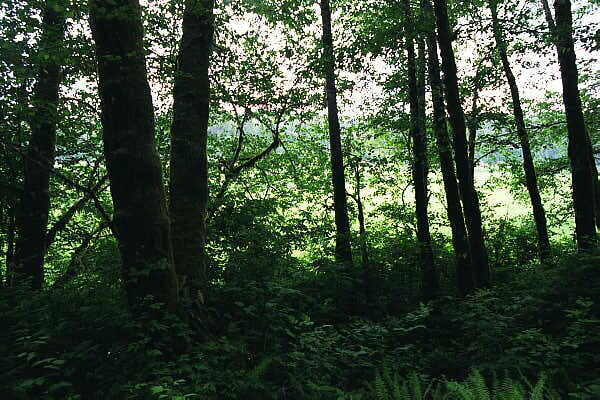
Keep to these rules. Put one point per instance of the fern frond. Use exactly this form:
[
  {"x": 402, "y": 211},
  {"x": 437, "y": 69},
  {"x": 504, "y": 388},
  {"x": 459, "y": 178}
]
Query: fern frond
[
  {"x": 416, "y": 389},
  {"x": 537, "y": 393},
  {"x": 477, "y": 385},
  {"x": 380, "y": 390}
]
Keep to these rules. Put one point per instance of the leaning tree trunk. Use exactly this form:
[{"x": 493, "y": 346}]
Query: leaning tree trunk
[
  {"x": 539, "y": 215},
  {"x": 32, "y": 220},
  {"x": 584, "y": 179},
  {"x": 189, "y": 165},
  {"x": 462, "y": 255},
  {"x": 140, "y": 210},
  {"x": 416, "y": 89},
  {"x": 343, "y": 250},
  {"x": 470, "y": 199}
]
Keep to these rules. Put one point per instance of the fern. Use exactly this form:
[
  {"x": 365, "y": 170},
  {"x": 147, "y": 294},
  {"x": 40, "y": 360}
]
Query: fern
[
  {"x": 380, "y": 389},
  {"x": 415, "y": 386},
  {"x": 390, "y": 386},
  {"x": 259, "y": 370},
  {"x": 477, "y": 385},
  {"x": 537, "y": 393}
]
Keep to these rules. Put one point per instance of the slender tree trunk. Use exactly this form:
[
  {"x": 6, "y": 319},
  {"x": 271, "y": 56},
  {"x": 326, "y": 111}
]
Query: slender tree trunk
[
  {"x": 470, "y": 199},
  {"x": 132, "y": 161},
  {"x": 539, "y": 215},
  {"x": 364, "y": 250},
  {"x": 462, "y": 255},
  {"x": 416, "y": 88},
  {"x": 596, "y": 182},
  {"x": 10, "y": 246},
  {"x": 35, "y": 203},
  {"x": 473, "y": 125},
  {"x": 584, "y": 178},
  {"x": 343, "y": 250},
  {"x": 189, "y": 165},
  {"x": 3, "y": 223}
]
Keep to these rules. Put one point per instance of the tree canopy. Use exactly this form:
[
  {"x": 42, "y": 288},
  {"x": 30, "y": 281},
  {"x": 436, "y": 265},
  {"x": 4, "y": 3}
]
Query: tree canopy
[{"x": 299, "y": 199}]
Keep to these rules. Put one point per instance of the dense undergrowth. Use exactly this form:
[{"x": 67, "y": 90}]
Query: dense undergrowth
[{"x": 533, "y": 335}]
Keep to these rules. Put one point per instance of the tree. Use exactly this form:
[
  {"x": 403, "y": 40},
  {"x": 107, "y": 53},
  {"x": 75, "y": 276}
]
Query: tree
[
  {"x": 469, "y": 196},
  {"x": 583, "y": 179},
  {"x": 464, "y": 272},
  {"x": 132, "y": 161},
  {"x": 343, "y": 250},
  {"x": 364, "y": 246},
  {"x": 32, "y": 220},
  {"x": 189, "y": 163},
  {"x": 539, "y": 214},
  {"x": 418, "y": 135}
]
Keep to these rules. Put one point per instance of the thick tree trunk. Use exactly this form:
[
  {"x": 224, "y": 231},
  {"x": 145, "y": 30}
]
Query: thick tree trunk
[
  {"x": 343, "y": 250},
  {"x": 539, "y": 214},
  {"x": 552, "y": 28},
  {"x": 132, "y": 160},
  {"x": 32, "y": 220},
  {"x": 580, "y": 156},
  {"x": 464, "y": 271},
  {"x": 470, "y": 199},
  {"x": 189, "y": 165},
  {"x": 416, "y": 89}
]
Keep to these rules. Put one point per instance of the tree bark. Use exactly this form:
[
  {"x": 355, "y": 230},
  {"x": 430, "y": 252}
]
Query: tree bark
[
  {"x": 552, "y": 28},
  {"x": 32, "y": 220},
  {"x": 140, "y": 210},
  {"x": 416, "y": 89},
  {"x": 364, "y": 250},
  {"x": 584, "y": 180},
  {"x": 469, "y": 196},
  {"x": 473, "y": 125},
  {"x": 189, "y": 131},
  {"x": 464, "y": 272},
  {"x": 539, "y": 214},
  {"x": 343, "y": 249},
  {"x": 10, "y": 246}
]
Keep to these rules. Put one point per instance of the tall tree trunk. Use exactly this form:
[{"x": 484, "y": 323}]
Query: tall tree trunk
[
  {"x": 539, "y": 215},
  {"x": 584, "y": 174},
  {"x": 364, "y": 250},
  {"x": 472, "y": 127},
  {"x": 189, "y": 165},
  {"x": 470, "y": 199},
  {"x": 552, "y": 28},
  {"x": 140, "y": 209},
  {"x": 596, "y": 181},
  {"x": 464, "y": 272},
  {"x": 32, "y": 220},
  {"x": 10, "y": 246},
  {"x": 343, "y": 250},
  {"x": 416, "y": 89}
]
